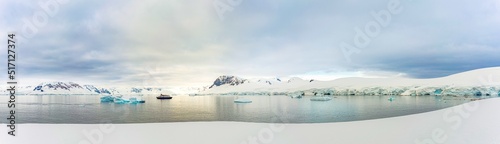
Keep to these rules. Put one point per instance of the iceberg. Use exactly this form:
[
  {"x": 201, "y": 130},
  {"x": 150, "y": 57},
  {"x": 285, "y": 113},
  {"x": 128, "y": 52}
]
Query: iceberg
[
  {"x": 121, "y": 101},
  {"x": 391, "y": 99},
  {"x": 133, "y": 101},
  {"x": 296, "y": 95},
  {"x": 242, "y": 100},
  {"x": 107, "y": 99},
  {"x": 317, "y": 98}
]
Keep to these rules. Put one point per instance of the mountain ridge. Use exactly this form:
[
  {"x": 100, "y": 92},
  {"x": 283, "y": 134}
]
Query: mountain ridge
[{"x": 484, "y": 81}]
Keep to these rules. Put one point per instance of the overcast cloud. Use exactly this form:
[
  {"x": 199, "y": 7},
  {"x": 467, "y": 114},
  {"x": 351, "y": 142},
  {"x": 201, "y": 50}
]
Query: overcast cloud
[{"x": 185, "y": 43}]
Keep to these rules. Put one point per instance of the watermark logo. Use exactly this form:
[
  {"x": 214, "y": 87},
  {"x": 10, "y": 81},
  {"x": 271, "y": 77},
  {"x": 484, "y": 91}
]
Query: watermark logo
[
  {"x": 489, "y": 80},
  {"x": 266, "y": 134},
  {"x": 11, "y": 82},
  {"x": 371, "y": 29},
  {"x": 151, "y": 78},
  {"x": 454, "y": 117},
  {"x": 40, "y": 18},
  {"x": 223, "y": 6},
  {"x": 96, "y": 136}
]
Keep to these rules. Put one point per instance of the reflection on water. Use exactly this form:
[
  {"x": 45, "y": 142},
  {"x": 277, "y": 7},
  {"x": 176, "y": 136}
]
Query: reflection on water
[{"x": 276, "y": 109}]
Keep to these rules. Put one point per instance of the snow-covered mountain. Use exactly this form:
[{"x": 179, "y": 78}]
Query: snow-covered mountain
[
  {"x": 55, "y": 88},
  {"x": 228, "y": 80},
  {"x": 63, "y": 88},
  {"x": 476, "y": 82},
  {"x": 139, "y": 90}
]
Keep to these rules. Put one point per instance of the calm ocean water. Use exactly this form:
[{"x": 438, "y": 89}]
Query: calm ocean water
[{"x": 87, "y": 109}]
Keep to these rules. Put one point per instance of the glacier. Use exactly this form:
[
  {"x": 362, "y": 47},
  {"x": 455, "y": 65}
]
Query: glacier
[{"x": 480, "y": 82}]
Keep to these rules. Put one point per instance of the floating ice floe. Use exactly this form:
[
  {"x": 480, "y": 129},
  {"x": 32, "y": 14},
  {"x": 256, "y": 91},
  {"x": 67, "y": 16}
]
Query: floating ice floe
[
  {"x": 296, "y": 95},
  {"x": 317, "y": 98},
  {"x": 121, "y": 101},
  {"x": 133, "y": 101},
  {"x": 118, "y": 99},
  {"x": 242, "y": 100},
  {"x": 107, "y": 98}
]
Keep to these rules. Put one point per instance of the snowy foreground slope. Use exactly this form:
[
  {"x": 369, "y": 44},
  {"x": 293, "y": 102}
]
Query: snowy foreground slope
[
  {"x": 476, "y": 82},
  {"x": 471, "y": 123}
]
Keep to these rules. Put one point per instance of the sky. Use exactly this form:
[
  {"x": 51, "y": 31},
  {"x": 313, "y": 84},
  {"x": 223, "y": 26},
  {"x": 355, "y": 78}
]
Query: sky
[{"x": 191, "y": 42}]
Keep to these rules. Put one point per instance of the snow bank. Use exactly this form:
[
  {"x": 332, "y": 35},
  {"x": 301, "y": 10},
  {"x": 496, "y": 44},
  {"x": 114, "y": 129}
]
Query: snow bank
[{"x": 472, "y": 123}]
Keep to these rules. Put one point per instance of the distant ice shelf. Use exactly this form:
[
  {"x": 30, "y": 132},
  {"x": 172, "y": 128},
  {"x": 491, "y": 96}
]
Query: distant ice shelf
[{"x": 480, "y": 82}]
